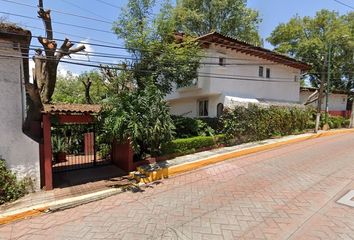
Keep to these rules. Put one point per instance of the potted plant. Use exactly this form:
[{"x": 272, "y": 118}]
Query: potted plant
[{"x": 59, "y": 150}]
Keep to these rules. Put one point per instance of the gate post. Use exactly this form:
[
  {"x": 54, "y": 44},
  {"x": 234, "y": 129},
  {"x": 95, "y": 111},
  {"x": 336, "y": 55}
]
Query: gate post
[{"x": 47, "y": 153}]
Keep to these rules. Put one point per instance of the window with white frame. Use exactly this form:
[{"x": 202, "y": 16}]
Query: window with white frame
[{"x": 203, "y": 108}]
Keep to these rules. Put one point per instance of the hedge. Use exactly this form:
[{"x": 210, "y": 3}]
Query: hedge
[
  {"x": 257, "y": 123},
  {"x": 191, "y": 127},
  {"x": 190, "y": 145}
]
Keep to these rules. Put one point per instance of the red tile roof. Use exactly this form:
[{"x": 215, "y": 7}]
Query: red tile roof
[
  {"x": 72, "y": 108},
  {"x": 244, "y": 47}
]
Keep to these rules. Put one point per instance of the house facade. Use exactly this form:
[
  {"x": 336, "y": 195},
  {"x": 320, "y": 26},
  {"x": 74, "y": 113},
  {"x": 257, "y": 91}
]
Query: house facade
[
  {"x": 337, "y": 100},
  {"x": 20, "y": 152},
  {"x": 236, "y": 73}
]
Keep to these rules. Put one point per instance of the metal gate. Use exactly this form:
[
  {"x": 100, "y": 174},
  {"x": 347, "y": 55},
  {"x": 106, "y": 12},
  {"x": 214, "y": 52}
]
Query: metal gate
[{"x": 77, "y": 146}]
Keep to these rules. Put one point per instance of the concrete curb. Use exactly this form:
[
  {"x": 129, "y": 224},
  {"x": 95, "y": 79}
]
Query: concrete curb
[
  {"x": 150, "y": 176},
  {"x": 54, "y": 206}
]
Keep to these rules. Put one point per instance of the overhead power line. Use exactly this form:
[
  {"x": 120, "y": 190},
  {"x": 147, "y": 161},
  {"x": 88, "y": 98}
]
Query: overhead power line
[
  {"x": 60, "y": 12},
  {"x": 81, "y": 8},
  {"x": 108, "y": 4},
  {"x": 110, "y": 65},
  {"x": 124, "y": 48},
  {"x": 344, "y": 4},
  {"x": 201, "y": 74},
  {"x": 66, "y": 24},
  {"x": 116, "y": 46}
]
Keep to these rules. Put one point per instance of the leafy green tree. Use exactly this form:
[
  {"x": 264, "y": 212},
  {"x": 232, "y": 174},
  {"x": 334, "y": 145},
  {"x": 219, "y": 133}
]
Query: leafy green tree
[
  {"x": 159, "y": 58},
  {"x": 136, "y": 109},
  {"x": 229, "y": 17},
  {"x": 71, "y": 89},
  {"x": 311, "y": 40}
]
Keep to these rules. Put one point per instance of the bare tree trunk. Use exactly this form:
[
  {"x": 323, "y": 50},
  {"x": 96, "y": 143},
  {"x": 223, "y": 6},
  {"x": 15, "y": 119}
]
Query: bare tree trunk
[
  {"x": 46, "y": 65},
  {"x": 87, "y": 85}
]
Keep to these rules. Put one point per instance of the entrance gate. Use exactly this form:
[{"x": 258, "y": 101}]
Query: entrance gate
[{"x": 75, "y": 146}]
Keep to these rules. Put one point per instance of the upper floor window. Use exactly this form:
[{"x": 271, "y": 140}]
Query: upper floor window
[
  {"x": 260, "y": 71},
  {"x": 222, "y": 61},
  {"x": 268, "y": 73},
  {"x": 203, "y": 108}
]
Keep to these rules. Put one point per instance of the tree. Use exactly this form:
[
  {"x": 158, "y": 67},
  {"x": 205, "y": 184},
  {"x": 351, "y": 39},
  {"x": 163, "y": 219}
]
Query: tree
[
  {"x": 137, "y": 109},
  {"x": 72, "y": 89},
  {"x": 45, "y": 72},
  {"x": 316, "y": 39},
  {"x": 309, "y": 39},
  {"x": 228, "y": 17},
  {"x": 159, "y": 58}
]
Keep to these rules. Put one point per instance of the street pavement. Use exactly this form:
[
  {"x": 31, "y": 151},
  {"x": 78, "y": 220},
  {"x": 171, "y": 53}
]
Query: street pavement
[{"x": 286, "y": 193}]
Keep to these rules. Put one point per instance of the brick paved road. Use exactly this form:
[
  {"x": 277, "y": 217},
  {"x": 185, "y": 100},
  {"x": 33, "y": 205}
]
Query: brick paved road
[{"x": 287, "y": 193}]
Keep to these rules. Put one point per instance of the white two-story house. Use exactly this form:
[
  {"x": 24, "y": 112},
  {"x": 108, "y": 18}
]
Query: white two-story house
[{"x": 233, "y": 72}]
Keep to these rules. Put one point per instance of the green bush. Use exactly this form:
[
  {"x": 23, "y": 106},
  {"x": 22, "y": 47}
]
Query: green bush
[
  {"x": 257, "y": 123},
  {"x": 190, "y": 145},
  {"x": 10, "y": 188},
  {"x": 334, "y": 121},
  {"x": 191, "y": 127}
]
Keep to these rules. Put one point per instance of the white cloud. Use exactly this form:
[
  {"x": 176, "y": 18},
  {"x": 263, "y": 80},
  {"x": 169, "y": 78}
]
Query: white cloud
[{"x": 84, "y": 55}]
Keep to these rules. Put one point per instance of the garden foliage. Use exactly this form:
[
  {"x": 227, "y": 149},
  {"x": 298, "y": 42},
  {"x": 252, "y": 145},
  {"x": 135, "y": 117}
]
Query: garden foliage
[
  {"x": 190, "y": 145},
  {"x": 191, "y": 127},
  {"x": 10, "y": 188},
  {"x": 256, "y": 123}
]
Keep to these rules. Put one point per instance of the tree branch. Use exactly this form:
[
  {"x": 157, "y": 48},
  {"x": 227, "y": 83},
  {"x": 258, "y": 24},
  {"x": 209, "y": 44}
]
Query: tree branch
[
  {"x": 66, "y": 49},
  {"x": 47, "y": 21}
]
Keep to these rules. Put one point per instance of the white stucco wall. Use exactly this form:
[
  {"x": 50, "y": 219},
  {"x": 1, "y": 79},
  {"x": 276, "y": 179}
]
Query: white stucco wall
[
  {"x": 238, "y": 78},
  {"x": 20, "y": 152},
  {"x": 336, "y": 102}
]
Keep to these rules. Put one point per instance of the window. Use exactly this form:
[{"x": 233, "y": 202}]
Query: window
[
  {"x": 219, "y": 109},
  {"x": 296, "y": 78},
  {"x": 268, "y": 73},
  {"x": 222, "y": 61},
  {"x": 203, "y": 108},
  {"x": 260, "y": 71}
]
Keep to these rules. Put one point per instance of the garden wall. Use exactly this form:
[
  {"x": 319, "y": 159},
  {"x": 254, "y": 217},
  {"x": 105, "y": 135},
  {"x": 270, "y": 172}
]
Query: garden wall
[{"x": 19, "y": 151}]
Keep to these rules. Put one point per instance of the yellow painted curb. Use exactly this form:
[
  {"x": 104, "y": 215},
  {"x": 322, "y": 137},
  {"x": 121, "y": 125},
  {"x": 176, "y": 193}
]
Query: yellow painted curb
[
  {"x": 22, "y": 215},
  {"x": 173, "y": 170}
]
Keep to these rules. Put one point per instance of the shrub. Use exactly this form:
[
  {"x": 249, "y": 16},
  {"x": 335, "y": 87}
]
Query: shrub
[
  {"x": 256, "y": 123},
  {"x": 10, "y": 188},
  {"x": 191, "y": 127},
  {"x": 143, "y": 117},
  {"x": 334, "y": 121},
  {"x": 190, "y": 145}
]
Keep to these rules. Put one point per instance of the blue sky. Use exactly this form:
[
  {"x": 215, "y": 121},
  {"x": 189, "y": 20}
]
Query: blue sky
[{"x": 272, "y": 13}]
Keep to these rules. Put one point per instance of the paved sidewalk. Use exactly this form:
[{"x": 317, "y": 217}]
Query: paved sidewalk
[
  {"x": 286, "y": 193},
  {"x": 114, "y": 179}
]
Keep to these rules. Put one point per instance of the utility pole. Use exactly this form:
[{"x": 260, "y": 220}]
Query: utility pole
[
  {"x": 328, "y": 81},
  {"x": 320, "y": 95},
  {"x": 351, "y": 125}
]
